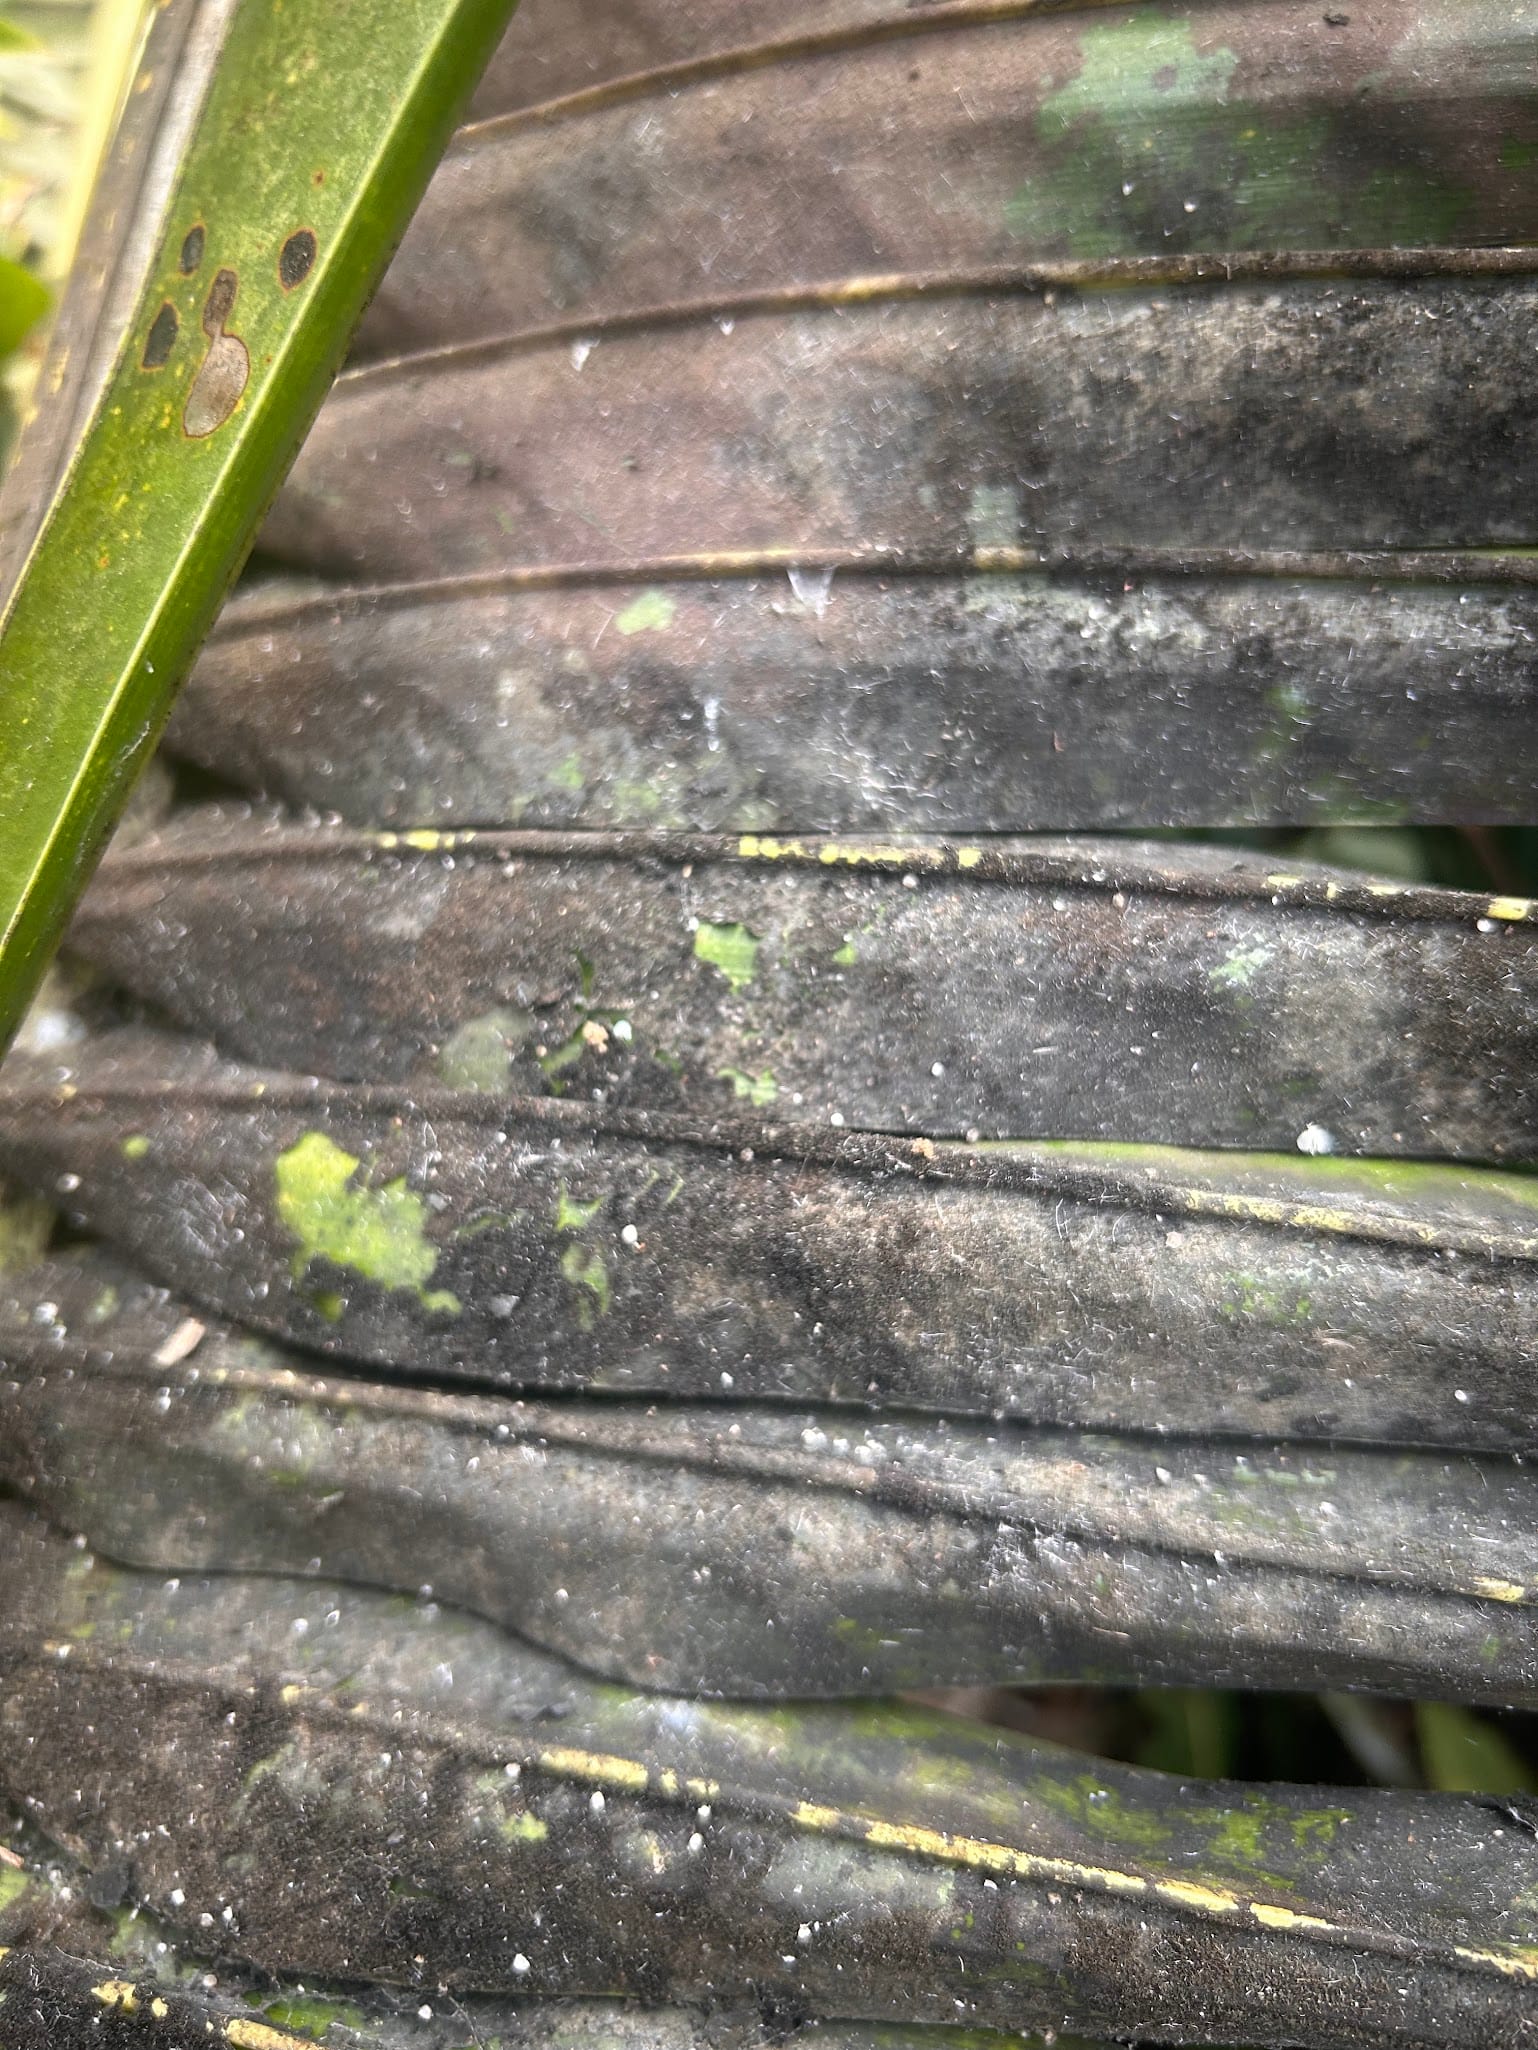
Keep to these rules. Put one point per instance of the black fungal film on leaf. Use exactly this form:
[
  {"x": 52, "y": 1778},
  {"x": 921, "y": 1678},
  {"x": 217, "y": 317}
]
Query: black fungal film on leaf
[{"x": 657, "y": 1174}]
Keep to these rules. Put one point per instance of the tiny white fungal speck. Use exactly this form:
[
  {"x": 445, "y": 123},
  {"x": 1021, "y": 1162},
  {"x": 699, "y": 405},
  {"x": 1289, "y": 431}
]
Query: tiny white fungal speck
[
  {"x": 595, "y": 1801},
  {"x": 520, "y": 1964},
  {"x": 424, "y": 2013},
  {"x": 1315, "y": 1139}
]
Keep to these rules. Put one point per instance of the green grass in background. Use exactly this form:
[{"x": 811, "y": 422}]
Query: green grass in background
[{"x": 63, "y": 68}]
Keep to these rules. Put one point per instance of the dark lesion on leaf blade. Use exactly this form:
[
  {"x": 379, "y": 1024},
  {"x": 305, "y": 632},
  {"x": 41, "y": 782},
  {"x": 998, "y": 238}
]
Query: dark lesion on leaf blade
[
  {"x": 225, "y": 370},
  {"x": 296, "y": 258},
  {"x": 161, "y": 339},
  {"x": 220, "y": 303}
]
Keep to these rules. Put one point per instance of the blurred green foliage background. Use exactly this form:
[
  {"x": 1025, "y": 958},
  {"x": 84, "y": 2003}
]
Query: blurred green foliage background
[{"x": 63, "y": 68}]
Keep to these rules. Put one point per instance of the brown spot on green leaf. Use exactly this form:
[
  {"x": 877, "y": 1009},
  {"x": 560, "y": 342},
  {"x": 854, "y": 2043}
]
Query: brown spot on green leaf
[
  {"x": 161, "y": 339},
  {"x": 224, "y": 371},
  {"x": 220, "y": 303},
  {"x": 296, "y": 258}
]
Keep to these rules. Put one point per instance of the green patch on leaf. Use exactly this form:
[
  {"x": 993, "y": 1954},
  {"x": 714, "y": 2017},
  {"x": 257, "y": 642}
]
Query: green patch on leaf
[
  {"x": 1102, "y": 1811},
  {"x": 731, "y": 949},
  {"x": 1156, "y": 142},
  {"x": 311, "y": 2015},
  {"x": 588, "y": 1272},
  {"x": 1239, "y": 1833},
  {"x": 522, "y": 1828},
  {"x": 1239, "y": 968},
  {"x": 479, "y": 1053},
  {"x": 1247, "y": 1299},
  {"x": 760, "y": 1090},
  {"x": 379, "y": 1233},
  {"x": 1146, "y": 57},
  {"x": 573, "y": 1213},
  {"x": 554, "y": 1064},
  {"x": 651, "y": 612}
]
